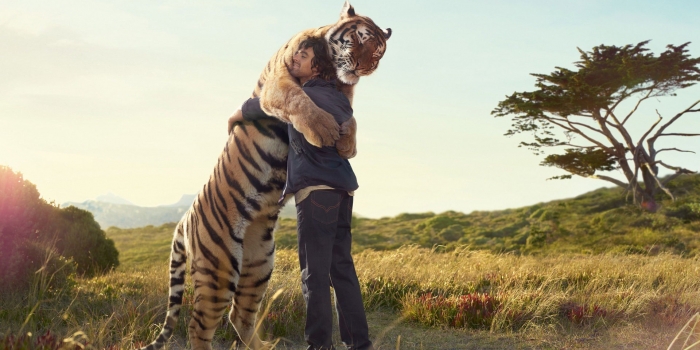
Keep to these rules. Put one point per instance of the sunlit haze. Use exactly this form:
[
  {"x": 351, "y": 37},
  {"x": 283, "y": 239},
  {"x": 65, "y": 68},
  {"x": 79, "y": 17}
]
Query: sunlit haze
[{"x": 132, "y": 97}]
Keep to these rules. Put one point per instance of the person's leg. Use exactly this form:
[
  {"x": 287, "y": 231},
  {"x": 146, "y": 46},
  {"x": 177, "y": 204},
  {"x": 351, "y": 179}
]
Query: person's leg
[
  {"x": 317, "y": 217},
  {"x": 351, "y": 313}
]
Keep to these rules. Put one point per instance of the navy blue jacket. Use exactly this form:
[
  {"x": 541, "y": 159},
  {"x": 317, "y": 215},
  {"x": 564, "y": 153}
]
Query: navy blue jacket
[{"x": 308, "y": 165}]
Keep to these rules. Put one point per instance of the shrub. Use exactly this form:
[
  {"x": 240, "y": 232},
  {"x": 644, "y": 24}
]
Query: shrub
[
  {"x": 538, "y": 213},
  {"x": 686, "y": 211},
  {"x": 436, "y": 223},
  {"x": 452, "y": 233},
  {"x": 29, "y": 226},
  {"x": 474, "y": 310},
  {"x": 413, "y": 216},
  {"x": 582, "y": 313},
  {"x": 537, "y": 237},
  {"x": 46, "y": 341},
  {"x": 48, "y": 270},
  {"x": 404, "y": 231},
  {"x": 79, "y": 237}
]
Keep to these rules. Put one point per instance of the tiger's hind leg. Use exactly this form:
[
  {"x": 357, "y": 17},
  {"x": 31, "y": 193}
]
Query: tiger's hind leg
[
  {"x": 178, "y": 268},
  {"x": 258, "y": 263},
  {"x": 213, "y": 292}
]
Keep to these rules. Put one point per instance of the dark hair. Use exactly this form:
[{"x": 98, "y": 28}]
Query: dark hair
[{"x": 321, "y": 61}]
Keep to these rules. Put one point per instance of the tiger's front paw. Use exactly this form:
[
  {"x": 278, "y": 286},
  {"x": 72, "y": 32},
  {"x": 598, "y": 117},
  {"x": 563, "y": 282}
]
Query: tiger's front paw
[
  {"x": 346, "y": 146},
  {"x": 319, "y": 128}
]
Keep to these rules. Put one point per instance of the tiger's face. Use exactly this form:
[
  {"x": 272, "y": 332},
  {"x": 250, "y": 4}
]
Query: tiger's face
[{"x": 356, "y": 45}]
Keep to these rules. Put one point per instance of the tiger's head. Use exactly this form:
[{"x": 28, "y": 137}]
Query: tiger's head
[{"x": 356, "y": 45}]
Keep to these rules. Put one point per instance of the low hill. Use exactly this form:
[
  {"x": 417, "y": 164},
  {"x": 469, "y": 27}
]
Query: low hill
[
  {"x": 185, "y": 201},
  {"x": 596, "y": 222},
  {"x": 129, "y": 216},
  {"x": 600, "y": 221},
  {"x": 109, "y": 213}
]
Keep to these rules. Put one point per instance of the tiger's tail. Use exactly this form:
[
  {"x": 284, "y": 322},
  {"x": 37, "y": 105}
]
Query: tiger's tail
[{"x": 178, "y": 264}]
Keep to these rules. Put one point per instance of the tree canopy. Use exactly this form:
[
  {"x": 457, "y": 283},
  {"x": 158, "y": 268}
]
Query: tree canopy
[{"x": 578, "y": 110}]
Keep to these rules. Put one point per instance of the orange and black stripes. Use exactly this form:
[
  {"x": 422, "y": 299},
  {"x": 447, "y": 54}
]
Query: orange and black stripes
[{"x": 228, "y": 233}]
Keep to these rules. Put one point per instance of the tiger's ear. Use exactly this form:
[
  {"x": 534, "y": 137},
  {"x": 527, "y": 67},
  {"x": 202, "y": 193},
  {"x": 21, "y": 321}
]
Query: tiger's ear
[
  {"x": 347, "y": 11},
  {"x": 387, "y": 33}
]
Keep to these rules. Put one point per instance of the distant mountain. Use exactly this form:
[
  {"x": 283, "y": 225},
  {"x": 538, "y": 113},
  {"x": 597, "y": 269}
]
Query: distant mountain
[
  {"x": 112, "y": 198},
  {"x": 130, "y": 216},
  {"x": 185, "y": 201}
]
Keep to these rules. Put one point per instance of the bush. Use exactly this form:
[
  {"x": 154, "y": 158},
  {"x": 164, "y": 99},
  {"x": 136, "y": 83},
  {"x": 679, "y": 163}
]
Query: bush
[
  {"x": 474, "y": 310},
  {"x": 409, "y": 216},
  {"x": 79, "y": 237},
  {"x": 452, "y": 233},
  {"x": 404, "y": 231},
  {"x": 49, "y": 270},
  {"x": 687, "y": 211},
  {"x": 436, "y": 223},
  {"x": 29, "y": 226}
]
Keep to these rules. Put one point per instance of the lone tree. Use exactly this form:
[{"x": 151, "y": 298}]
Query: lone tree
[{"x": 578, "y": 110}]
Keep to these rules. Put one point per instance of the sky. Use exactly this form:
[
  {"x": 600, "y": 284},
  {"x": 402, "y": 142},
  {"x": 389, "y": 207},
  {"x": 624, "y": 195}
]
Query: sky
[{"x": 132, "y": 97}]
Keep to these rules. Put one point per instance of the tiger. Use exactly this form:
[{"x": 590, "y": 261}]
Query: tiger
[{"x": 228, "y": 232}]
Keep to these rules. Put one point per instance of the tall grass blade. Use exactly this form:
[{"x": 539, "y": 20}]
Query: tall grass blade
[
  {"x": 695, "y": 318},
  {"x": 264, "y": 314},
  {"x": 691, "y": 332}
]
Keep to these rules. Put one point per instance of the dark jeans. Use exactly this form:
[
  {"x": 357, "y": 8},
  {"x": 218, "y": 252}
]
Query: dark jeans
[{"x": 323, "y": 233}]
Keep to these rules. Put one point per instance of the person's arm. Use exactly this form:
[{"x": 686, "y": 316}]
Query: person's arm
[
  {"x": 249, "y": 111},
  {"x": 237, "y": 117}
]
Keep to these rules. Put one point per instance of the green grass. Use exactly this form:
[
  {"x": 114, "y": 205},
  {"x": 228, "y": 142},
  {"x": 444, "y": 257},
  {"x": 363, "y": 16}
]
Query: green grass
[
  {"x": 597, "y": 222},
  {"x": 590, "y": 272},
  {"x": 536, "y": 300},
  {"x": 143, "y": 246}
]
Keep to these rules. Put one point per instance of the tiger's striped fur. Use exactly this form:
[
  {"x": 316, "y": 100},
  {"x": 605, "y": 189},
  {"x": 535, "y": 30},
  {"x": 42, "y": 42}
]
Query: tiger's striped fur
[{"x": 227, "y": 234}]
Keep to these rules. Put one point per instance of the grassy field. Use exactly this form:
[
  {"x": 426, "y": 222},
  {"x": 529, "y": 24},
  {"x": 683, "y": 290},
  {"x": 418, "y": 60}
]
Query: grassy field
[
  {"x": 422, "y": 298},
  {"x": 600, "y": 221},
  {"x": 584, "y": 273}
]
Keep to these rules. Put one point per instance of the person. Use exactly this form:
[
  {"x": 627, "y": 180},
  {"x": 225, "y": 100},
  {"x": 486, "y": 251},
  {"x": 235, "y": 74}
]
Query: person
[{"x": 323, "y": 185}]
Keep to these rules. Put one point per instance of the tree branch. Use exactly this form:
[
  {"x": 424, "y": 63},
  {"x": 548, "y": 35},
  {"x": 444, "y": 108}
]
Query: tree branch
[
  {"x": 633, "y": 183},
  {"x": 652, "y": 140},
  {"x": 577, "y": 146},
  {"x": 661, "y": 186},
  {"x": 670, "y": 178},
  {"x": 673, "y": 149},
  {"x": 637, "y": 105},
  {"x": 616, "y": 145},
  {"x": 678, "y": 134},
  {"x": 675, "y": 168},
  {"x": 679, "y": 171},
  {"x": 661, "y": 130},
  {"x": 641, "y": 139},
  {"x": 573, "y": 129},
  {"x": 621, "y": 129},
  {"x": 564, "y": 120},
  {"x": 607, "y": 178}
]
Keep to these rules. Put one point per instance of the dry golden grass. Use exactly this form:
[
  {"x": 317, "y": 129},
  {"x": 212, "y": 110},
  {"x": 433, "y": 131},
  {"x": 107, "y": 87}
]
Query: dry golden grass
[{"x": 647, "y": 300}]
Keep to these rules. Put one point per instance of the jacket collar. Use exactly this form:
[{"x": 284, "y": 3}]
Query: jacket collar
[{"x": 320, "y": 83}]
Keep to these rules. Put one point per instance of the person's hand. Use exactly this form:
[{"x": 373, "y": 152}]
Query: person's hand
[
  {"x": 345, "y": 128},
  {"x": 235, "y": 118}
]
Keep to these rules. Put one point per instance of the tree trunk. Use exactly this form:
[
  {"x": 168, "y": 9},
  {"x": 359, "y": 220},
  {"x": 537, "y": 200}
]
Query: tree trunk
[{"x": 648, "y": 202}]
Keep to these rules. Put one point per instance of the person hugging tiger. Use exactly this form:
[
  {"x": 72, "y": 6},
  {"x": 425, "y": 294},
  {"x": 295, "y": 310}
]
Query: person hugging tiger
[{"x": 323, "y": 184}]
